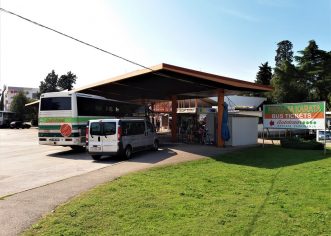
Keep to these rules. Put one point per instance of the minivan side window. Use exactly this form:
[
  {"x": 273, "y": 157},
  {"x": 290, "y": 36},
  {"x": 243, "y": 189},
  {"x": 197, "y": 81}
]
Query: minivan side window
[
  {"x": 126, "y": 128},
  {"x": 133, "y": 127},
  {"x": 95, "y": 128},
  {"x": 138, "y": 127},
  {"x": 150, "y": 127},
  {"x": 109, "y": 128}
]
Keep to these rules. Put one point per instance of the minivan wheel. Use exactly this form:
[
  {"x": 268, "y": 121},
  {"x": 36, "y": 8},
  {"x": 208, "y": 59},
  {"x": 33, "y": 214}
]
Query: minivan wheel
[
  {"x": 96, "y": 157},
  {"x": 155, "y": 145},
  {"x": 127, "y": 152}
]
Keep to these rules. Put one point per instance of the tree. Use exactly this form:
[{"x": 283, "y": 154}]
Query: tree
[
  {"x": 288, "y": 83},
  {"x": 67, "y": 81},
  {"x": 327, "y": 79},
  {"x": 315, "y": 65},
  {"x": 52, "y": 83},
  {"x": 2, "y": 100},
  {"x": 49, "y": 84},
  {"x": 284, "y": 52},
  {"x": 328, "y": 102},
  {"x": 287, "y": 80},
  {"x": 264, "y": 74},
  {"x": 18, "y": 105}
]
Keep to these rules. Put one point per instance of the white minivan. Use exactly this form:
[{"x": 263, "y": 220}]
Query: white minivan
[{"x": 120, "y": 137}]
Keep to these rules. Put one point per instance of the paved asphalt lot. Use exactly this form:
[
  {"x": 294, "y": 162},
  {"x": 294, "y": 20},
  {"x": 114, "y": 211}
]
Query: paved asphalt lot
[{"x": 24, "y": 164}]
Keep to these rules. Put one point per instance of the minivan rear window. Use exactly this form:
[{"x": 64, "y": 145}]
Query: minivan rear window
[
  {"x": 55, "y": 104},
  {"x": 95, "y": 128},
  {"x": 109, "y": 128}
]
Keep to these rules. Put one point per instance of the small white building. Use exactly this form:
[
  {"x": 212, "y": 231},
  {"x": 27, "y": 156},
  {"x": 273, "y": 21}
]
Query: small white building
[
  {"x": 243, "y": 130},
  {"x": 10, "y": 92}
]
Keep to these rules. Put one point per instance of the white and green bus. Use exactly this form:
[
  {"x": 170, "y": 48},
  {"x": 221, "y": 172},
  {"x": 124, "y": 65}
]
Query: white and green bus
[{"x": 63, "y": 116}]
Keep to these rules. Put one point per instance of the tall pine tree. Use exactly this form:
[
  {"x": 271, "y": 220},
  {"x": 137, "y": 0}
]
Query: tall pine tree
[
  {"x": 264, "y": 74},
  {"x": 284, "y": 52},
  {"x": 315, "y": 66},
  {"x": 289, "y": 86}
]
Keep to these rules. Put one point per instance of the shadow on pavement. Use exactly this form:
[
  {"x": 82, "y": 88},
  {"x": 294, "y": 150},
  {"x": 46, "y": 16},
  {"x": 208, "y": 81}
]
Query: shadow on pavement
[
  {"x": 256, "y": 158},
  {"x": 147, "y": 156},
  {"x": 166, "y": 151},
  {"x": 153, "y": 157},
  {"x": 272, "y": 157},
  {"x": 71, "y": 154},
  {"x": 169, "y": 150}
]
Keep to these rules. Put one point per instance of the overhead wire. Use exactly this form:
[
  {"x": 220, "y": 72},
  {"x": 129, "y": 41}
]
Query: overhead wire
[
  {"x": 232, "y": 104},
  {"x": 73, "y": 38},
  {"x": 97, "y": 48}
]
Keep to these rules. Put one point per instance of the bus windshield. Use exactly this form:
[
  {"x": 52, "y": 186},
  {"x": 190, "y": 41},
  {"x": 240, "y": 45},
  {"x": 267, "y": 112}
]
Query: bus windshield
[{"x": 55, "y": 103}]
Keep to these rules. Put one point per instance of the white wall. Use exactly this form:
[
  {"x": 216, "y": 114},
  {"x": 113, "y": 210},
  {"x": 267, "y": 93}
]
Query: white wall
[{"x": 243, "y": 131}]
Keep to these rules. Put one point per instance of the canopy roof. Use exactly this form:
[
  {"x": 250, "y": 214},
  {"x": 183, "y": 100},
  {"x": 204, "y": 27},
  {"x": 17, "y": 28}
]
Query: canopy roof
[
  {"x": 163, "y": 81},
  {"x": 243, "y": 102}
]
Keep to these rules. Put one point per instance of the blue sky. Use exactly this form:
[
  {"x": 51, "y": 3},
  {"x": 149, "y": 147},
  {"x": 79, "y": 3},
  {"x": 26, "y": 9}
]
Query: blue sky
[{"x": 230, "y": 38}]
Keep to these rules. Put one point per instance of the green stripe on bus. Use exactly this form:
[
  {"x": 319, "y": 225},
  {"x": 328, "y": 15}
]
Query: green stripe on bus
[
  {"x": 57, "y": 120},
  {"x": 68, "y": 119},
  {"x": 57, "y": 135},
  {"x": 57, "y": 127}
]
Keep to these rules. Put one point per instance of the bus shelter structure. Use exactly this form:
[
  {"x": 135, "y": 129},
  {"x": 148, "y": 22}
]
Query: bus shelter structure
[{"x": 166, "y": 82}]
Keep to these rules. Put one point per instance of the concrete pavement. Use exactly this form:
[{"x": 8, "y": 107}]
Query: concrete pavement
[{"x": 24, "y": 164}]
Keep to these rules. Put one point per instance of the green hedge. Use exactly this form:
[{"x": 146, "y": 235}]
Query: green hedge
[{"x": 300, "y": 143}]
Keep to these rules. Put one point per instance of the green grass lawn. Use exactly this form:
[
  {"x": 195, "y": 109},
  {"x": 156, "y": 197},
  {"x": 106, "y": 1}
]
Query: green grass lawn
[{"x": 270, "y": 191}]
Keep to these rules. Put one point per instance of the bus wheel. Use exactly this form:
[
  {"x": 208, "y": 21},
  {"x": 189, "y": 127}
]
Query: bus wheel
[
  {"x": 127, "y": 153},
  {"x": 96, "y": 157}
]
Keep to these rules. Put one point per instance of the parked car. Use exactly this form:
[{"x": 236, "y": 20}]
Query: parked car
[
  {"x": 322, "y": 135},
  {"x": 19, "y": 124},
  {"x": 120, "y": 137}
]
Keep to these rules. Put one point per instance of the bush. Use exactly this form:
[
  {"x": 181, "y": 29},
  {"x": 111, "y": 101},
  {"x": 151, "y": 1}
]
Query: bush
[{"x": 300, "y": 143}]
